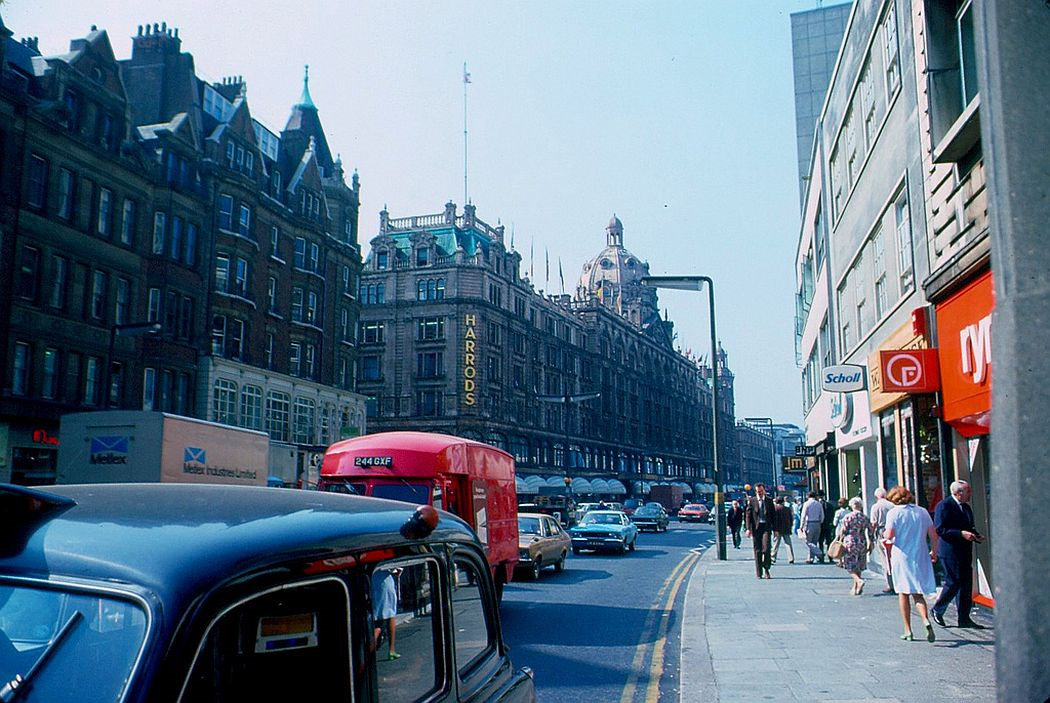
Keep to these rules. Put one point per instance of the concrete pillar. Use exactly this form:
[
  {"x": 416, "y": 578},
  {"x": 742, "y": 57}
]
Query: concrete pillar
[{"x": 1014, "y": 41}]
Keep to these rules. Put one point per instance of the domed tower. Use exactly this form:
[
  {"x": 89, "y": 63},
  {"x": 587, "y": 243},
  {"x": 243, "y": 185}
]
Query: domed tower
[{"x": 614, "y": 279}]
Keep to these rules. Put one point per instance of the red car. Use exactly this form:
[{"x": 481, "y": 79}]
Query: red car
[{"x": 694, "y": 512}]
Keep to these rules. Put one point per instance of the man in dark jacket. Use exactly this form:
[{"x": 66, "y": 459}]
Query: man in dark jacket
[
  {"x": 758, "y": 520},
  {"x": 735, "y": 518},
  {"x": 953, "y": 519},
  {"x": 827, "y": 528},
  {"x": 783, "y": 522}
]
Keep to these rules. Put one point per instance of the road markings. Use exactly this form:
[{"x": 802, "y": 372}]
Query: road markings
[{"x": 655, "y": 629}]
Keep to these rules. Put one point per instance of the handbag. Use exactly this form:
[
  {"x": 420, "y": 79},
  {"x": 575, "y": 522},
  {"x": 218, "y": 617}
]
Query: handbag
[{"x": 836, "y": 549}]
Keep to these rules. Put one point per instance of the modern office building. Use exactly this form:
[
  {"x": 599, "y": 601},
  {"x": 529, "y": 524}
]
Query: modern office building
[
  {"x": 454, "y": 339},
  {"x": 163, "y": 250}
]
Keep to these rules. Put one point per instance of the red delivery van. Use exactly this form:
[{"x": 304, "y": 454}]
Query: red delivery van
[{"x": 471, "y": 479}]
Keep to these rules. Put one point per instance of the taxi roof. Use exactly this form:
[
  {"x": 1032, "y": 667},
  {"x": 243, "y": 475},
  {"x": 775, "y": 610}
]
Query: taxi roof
[{"x": 177, "y": 540}]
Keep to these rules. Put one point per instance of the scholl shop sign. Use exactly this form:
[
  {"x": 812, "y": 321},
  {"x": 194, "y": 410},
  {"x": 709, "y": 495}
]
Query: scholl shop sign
[{"x": 845, "y": 378}]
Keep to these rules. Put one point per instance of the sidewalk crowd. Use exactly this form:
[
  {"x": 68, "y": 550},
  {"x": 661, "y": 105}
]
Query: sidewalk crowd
[{"x": 804, "y": 629}]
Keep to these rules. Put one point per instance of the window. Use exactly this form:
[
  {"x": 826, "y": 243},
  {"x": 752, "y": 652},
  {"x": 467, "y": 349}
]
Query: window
[
  {"x": 231, "y": 153},
  {"x": 347, "y": 284},
  {"x": 222, "y": 273},
  {"x": 902, "y": 225},
  {"x": 371, "y": 368},
  {"x": 372, "y": 332},
  {"x": 224, "y": 402},
  {"x": 36, "y": 183},
  {"x": 344, "y": 325},
  {"x": 59, "y": 282},
  {"x": 494, "y": 334},
  {"x": 99, "y": 281},
  {"x": 190, "y": 255},
  {"x": 218, "y": 335},
  {"x": 312, "y": 317},
  {"x": 171, "y": 312},
  {"x": 65, "y": 194},
  {"x": 430, "y": 328},
  {"x": 495, "y": 294},
  {"x": 890, "y": 50},
  {"x": 255, "y": 673},
  {"x": 244, "y": 223},
  {"x": 275, "y": 242},
  {"x": 251, "y": 407},
  {"x": 226, "y": 212},
  {"x": 123, "y": 301},
  {"x": 91, "y": 381},
  {"x": 310, "y": 362},
  {"x": 49, "y": 382},
  {"x": 27, "y": 282},
  {"x": 295, "y": 359},
  {"x": 299, "y": 253},
  {"x": 149, "y": 388},
  {"x": 269, "y": 350},
  {"x": 380, "y": 293},
  {"x": 104, "y": 222},
  {"x": 382, "y": 261},
  {"x": 237, "y": 342},
  {"x": 472, "y": 622},
  {"x": 20, "y": 369},
  {"x": 186, "y": 318},
  {"x": 430, "y": 289},
  {"x": 422, "y": 256},
  {"x": 159, "y": 222},
  {"x": 967, "y": 52},
  {"x": 412, "y": 588},
  {"x": 153, "y": 305},
  {"x": 430, "y": 364},
  {"x": 175, "y": 242},
  {"x": 271, "y": 295},
  {"x": 428, "y": 403},
  {"x": 297, "y": 304},
  {"x": 127, "y": 223},
  {"x": 315, "y": 257},
  {"x": 277, "y": 405},
  {"x": 305, "y": 419},
  {"x": 240, "y": 280}
]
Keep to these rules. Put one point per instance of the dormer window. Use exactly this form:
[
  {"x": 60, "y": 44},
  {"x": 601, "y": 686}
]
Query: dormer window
[
  {"x": 382, "y": 261},
  {"x": 422, "y": 256}
]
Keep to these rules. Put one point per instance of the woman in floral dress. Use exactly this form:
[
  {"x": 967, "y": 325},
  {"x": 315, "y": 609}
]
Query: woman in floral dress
[{"x": 857, "y": 536}]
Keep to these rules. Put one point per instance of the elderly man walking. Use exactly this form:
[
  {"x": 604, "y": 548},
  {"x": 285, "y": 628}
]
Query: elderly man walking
[
  {"x": 878, "y": 523},
  {"x": 953, "y": 519},
  {"x": 810, "y": 520}
]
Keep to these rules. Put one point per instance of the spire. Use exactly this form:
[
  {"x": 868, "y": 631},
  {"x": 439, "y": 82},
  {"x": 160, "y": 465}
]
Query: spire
[
  {"x": 614, "y": 232},
  {"x": 305, "y": 100}
]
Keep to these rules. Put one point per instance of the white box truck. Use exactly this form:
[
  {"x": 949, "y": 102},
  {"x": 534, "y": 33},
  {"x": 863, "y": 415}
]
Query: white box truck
[{"x": 139, "y": 446}]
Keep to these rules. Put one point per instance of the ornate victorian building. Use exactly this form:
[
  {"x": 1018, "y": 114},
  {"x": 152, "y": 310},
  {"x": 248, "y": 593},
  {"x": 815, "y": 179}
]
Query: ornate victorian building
[{"x": 453, "y": 339}]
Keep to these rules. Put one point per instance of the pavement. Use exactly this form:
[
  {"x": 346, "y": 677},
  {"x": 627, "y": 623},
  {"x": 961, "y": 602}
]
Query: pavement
[{"x": 803, "y": 636}]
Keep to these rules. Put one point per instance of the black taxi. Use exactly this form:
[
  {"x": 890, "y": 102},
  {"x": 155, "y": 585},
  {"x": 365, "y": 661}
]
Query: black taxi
[{"x": 194, "y": 593}]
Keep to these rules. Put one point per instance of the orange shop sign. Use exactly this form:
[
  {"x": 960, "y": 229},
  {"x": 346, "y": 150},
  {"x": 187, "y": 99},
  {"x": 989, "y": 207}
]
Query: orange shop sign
[
  {"x": 964, "y": 328},
  {"x": 909, "y": 370}
]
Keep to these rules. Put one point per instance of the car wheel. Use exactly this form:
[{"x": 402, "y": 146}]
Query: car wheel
[
  {"x": 559, "y": 566},
  {"x": 537, "y": 567},
  {"x": 630, "y": 546}
]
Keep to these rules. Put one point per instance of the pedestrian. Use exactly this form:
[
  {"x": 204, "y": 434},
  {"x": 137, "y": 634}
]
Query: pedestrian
[
  {"x": 796, "y": 508},
  {"x": 841, "y": 512},
  {"x": 908, "y": 527},
  {"x": 783, "y": 524},
  {"x": 758, "y": 519},
  {"x": 384, "y": 607},
  {"x": 859, "y": 539},
  {"x": 735, "y": 518},
  {"x": 878, "y": 522},
  {"x": 953, "y": 520},
  {"x": 810, "y": 518},
  {"x": 827, "y": 527}
]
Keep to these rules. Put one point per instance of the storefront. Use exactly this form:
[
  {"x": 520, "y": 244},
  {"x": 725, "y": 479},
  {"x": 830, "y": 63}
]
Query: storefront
[
  {"x": 903, "y": 378},
  {"x": 851, "y": 418},
  {"x": 964, "y": 332},
  {"x": 30, "y": 452}
]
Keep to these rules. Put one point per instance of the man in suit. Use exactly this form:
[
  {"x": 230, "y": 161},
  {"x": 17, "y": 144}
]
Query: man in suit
[
  {"x": 953, "y": 519},
  {"x": 759, "y": 519}
]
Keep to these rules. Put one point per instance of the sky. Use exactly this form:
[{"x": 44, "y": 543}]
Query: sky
[{"x": 677, "y": 117}]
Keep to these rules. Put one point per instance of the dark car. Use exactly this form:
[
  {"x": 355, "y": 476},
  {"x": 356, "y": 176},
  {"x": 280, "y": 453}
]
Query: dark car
[
  {"x": 651, "y": 516},
  {"x": 153, "y": 592},
  {"x": 604, "y": 530}
]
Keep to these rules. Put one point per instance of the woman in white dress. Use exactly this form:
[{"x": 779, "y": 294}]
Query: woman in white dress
[{"x": 911, "y": 558}]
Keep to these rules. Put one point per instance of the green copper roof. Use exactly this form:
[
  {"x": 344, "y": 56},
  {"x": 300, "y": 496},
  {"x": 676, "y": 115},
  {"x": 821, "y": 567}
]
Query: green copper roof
[{"x": 305, "y": 100}]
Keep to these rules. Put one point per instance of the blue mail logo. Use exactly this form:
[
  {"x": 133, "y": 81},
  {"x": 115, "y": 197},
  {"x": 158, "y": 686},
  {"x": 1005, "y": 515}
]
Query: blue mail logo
[
  {"x": 109, "y": 444},
  {"x": 193, "y": 455}
]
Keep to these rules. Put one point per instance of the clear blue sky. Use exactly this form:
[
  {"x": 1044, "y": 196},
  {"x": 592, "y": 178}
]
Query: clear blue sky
[{"x": 676, "y": 116}]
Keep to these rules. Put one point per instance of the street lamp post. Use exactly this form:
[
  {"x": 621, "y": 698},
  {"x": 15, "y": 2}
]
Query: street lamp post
[
  {"x": 697, "y": 283},
  {"x": 130, "y": 329}
]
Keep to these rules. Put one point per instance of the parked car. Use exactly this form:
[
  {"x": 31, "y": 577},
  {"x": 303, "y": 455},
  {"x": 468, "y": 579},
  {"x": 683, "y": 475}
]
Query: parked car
[
  {"x": 176, "y": 592},
  {"x": 651, "y": 516},
  {"x": 604, "y": 530},
  {"x": 541, "y": 542},
  {"x": 694, "y": 512}
]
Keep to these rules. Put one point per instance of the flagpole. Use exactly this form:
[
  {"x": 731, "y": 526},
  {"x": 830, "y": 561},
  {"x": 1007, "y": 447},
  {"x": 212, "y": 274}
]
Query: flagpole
[{"x": 466, "y": 79}]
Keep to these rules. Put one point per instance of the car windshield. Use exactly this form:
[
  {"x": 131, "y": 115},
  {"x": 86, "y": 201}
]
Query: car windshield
[
  {"x": 83, "y": 642},
  {"x": 695, "y": 507},
  {"x": 593, "y": 518},
  {"x": 409, "y": 492},
  {"x": 529, "y": 525},
  {"x": 651, "y": 510}
]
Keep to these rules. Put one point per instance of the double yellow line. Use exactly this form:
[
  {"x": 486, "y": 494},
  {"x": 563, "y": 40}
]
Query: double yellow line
[{"x": 654, "y": 635}]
